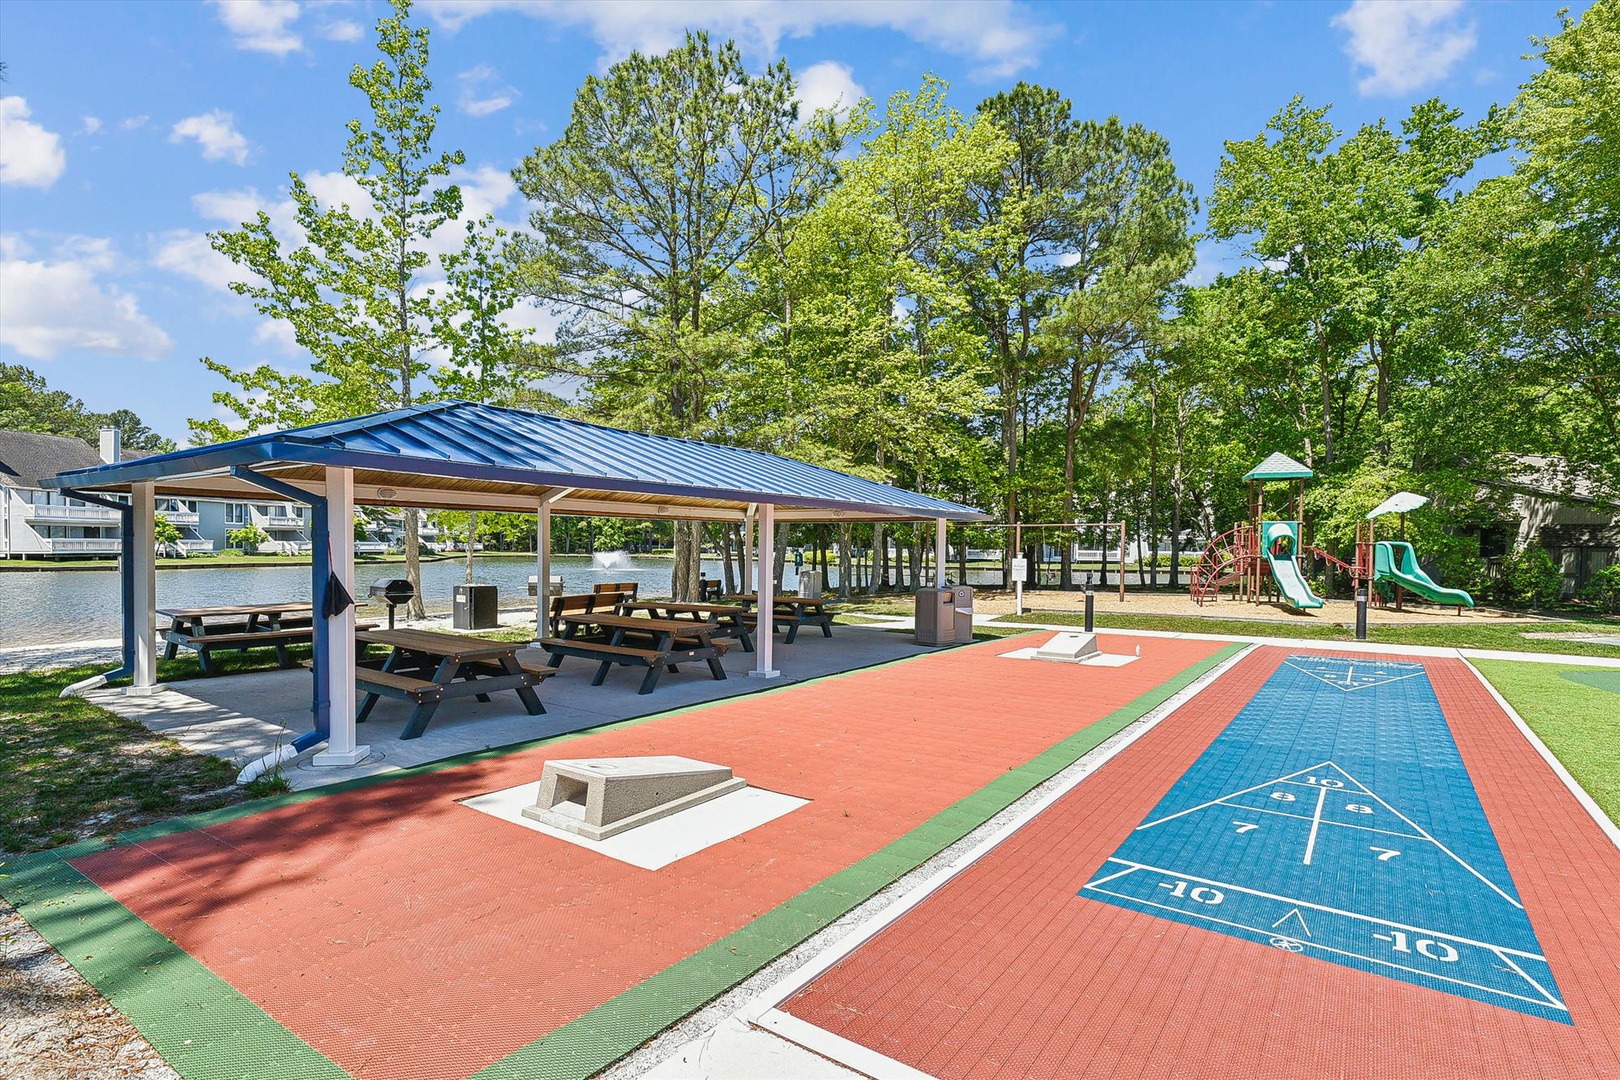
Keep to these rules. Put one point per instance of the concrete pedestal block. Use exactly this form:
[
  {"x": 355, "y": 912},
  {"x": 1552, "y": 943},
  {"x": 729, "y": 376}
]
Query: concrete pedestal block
[
  {"x": 600, "y": 797},
  {"x": 1070, "y": 647}
]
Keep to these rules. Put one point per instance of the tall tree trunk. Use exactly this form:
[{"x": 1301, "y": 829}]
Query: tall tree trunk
[
  {"x": 472, "y": 533},
  {"x": 844, "y": 569},
  {"x": 880, "y": 567},
  {"x": 688, "y": 549},
  {"x": 780, "y": 554},
  {"x": 413, "y": 563},
  {"x": 728, "y": 563}
]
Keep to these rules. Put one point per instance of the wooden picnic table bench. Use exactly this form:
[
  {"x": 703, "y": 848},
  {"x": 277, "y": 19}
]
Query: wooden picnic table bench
[
  {"x": 724, "y": 620},
  {"x": 576, "y": 603},
  {"x": 791, "y": 612},
  {"x": 656, "y": 644},
  {"x": 238, "y": 627},
  {"x": 426, "y": 667}
]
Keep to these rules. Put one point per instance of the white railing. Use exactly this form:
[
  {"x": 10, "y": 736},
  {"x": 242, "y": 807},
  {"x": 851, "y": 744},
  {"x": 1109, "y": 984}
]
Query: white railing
[
  {"x": 370, "y": 547},
  {"x": 58, "y": 512},
  {"x": 179, "y": 517},
  {"x": 82, "y": 545},
  {"x": 190, "y": 546}
]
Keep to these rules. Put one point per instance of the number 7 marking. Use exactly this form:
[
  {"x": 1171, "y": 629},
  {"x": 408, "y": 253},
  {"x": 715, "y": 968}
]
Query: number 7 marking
[
  {"x": 1386, "y": 853},
  {"x": 1245, "y": 826}
]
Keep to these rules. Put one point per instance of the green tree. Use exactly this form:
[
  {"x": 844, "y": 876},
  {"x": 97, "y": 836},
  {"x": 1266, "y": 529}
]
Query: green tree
[
  {"x": 672, "y": 171},
  {"x": 165, "y": 533},
  {"x": 350, "y": 290},
  {"x": 28, "y": 404}
]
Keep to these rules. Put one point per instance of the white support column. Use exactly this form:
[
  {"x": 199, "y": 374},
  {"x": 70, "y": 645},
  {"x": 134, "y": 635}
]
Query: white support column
[
  {"x": 939, "y": 552},
  {"x": 144, "y": 559},
  {"x": 542, "y": 561},
  {"x": 765, "y": 627},
  {"x": 341, "y": 748}
]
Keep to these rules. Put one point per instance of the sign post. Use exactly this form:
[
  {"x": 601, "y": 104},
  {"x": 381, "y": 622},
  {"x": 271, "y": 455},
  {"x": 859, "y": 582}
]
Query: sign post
[{"x": 1020, "y": 570}]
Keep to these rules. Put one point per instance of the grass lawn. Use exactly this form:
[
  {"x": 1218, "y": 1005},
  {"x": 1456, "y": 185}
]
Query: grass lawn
[
  {"x": 1579, "y": 722},
  {"x": 1510, "y": 636},
  {"x": 70, "y": 770}
]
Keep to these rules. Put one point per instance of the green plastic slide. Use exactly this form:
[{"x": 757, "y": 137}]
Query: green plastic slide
[
  {"x": 1394, "y": 560},
  {"x": 1284, "y": 570}
]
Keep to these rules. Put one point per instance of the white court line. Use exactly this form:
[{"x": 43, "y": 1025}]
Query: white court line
[
  {"x": 767, "y": 1001},
  {"x": 1509, "y": 960},
  {"x": 1331, "y": 910},
  {"x": 1349, "y": 673},
  {"x": 1551, "y": 1001},
  {"x": 1316, "y": 823},
  {"x": 1325, "y": 821},
  {"x": 1610, "y": 829},
  {"x": 846, "y": 1052},
  {"x": 1229, "y": 795},
  {"x": 1460, "y": 861}
]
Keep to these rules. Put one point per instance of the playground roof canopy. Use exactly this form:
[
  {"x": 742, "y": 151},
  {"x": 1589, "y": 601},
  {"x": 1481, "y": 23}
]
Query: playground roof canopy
[
  {"x": 1402, "y": 502},
  {"x": 461, "y": 454},
  {"x": 1279, "y": 467}
]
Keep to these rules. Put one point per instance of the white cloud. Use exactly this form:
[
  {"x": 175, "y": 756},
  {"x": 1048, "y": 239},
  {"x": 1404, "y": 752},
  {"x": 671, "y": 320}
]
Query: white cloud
[
  {"x": 342, "y": 30},
  {"x": 30, "y": 156},
  {"x": 1002, "y": 37},
  {"x": 261, "y": 25},
  {"x": 57, "y": 305},
  {"x": 483, "y": 91},
  {"x": 90, "y": 125},
  {"x": 279, "y": 334},
  {"x": 1404, "y": 44},
  {"x": 133, "y": 123},
  {"x": 215, "y": 131},
  {"x": 828, "y": 85}
]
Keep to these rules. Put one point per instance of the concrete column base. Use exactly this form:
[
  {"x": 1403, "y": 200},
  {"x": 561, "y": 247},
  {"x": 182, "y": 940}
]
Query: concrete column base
[
  {"x": 140, "y": 691},
  {"x": 331, "y": 759},
  {"x": 771, "y": 674}
]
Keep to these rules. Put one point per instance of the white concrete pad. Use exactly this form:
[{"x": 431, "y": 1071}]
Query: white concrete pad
[
  {"x": 1094, "y": 660},
  {"x": 658, "y": 843}
]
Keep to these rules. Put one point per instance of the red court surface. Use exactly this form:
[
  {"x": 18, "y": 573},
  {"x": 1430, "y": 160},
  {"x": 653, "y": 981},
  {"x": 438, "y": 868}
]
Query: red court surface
[
  {"x": 1006, "y": 972},
  {"x": 402, "y": 934}
]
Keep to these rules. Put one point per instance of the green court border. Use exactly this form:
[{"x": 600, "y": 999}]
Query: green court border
[{"x": 207, "y": 1030}]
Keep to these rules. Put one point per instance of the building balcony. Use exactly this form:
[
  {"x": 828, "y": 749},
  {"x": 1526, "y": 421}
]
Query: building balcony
[
  {"x": 181, "y": 518},
  {"x": 82, "y": 545},
  {"x": 370, "y": 547},
  {"x": 59, "y": 514}
]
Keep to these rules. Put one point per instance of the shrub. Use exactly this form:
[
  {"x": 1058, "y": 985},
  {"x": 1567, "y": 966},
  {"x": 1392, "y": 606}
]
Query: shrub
[
  {"x": 1530, "y": 577},
  {"x": 248, "y": 537},
  {"x": 1604, "y": 589}
]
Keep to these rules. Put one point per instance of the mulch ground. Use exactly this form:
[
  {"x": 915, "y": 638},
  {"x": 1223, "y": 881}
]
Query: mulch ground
[
  {"x": 1006, "y": 972},
  {"x": 404, "y": 935}
]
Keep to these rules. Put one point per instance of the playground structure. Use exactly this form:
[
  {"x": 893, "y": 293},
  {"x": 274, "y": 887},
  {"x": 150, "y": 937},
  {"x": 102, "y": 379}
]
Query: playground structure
[{"x": 1261, "y": 557}]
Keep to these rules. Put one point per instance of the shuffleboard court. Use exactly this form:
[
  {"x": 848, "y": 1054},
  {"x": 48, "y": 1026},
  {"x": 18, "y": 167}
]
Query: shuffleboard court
[
  {"x": 1169, "y": 917},
  {"x": 1334, "y": 817}
]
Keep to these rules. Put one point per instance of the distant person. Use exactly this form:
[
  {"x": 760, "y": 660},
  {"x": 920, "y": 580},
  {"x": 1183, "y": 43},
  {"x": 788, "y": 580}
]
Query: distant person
[{"x": 798, "y": 560}]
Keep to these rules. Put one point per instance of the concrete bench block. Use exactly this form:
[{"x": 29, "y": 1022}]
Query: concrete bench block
[
  {"x": 1070, "y": 647},
  {"x": 601, "y": 797}
]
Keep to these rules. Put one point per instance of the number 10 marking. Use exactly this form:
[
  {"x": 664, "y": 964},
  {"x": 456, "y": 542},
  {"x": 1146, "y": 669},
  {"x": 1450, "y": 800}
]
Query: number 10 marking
[{"x": 1434, "y": 950}]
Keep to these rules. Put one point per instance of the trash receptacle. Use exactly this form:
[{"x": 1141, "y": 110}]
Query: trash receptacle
[
  {"x": 962, "y": 610},
  {"x": 936, "y": 616},
  {"x": 475, "y": 607},
  {"x": 810, "y": 583}
]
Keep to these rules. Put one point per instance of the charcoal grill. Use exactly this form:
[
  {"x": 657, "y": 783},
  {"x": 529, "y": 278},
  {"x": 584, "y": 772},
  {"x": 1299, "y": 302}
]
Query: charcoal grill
[{"x": 392, "y": 591}]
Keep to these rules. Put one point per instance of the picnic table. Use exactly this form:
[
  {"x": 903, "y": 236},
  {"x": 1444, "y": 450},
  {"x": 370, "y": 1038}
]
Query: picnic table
[
  {"x": 576, "y": 603},
  {"x": 426, "y": 667},
  {"x": 723, "y": 620},
  {"x": 238, "y": 627},
  {"x": 792, "y": 612},
  {"x": 628, "y": 640}
]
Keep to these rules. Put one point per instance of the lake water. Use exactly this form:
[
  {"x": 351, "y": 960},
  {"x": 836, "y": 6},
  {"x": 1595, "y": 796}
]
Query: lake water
[{"x": 48, "y": 607}]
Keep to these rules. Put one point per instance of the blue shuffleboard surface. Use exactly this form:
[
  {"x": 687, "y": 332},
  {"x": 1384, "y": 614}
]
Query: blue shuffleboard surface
[{"x": 1334, "y": 818}]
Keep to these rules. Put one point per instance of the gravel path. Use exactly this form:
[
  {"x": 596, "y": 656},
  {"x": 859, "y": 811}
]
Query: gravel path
[{"x": 54, "y": 1025}]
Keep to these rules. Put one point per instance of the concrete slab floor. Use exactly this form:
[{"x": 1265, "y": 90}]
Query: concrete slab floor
[{"x": 242, "y": 717}]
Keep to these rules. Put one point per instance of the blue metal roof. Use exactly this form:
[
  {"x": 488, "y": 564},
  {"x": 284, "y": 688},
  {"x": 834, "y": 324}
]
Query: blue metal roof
[{"x": 485, "y": 443}]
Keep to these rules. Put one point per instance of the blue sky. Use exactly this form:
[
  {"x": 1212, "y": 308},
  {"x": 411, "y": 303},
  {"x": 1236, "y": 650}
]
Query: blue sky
[{"x": 128, "y": 130}]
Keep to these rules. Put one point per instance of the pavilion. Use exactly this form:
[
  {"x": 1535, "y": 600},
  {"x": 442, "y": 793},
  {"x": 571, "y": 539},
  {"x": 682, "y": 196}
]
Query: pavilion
[{"x": 467, "y": 456}]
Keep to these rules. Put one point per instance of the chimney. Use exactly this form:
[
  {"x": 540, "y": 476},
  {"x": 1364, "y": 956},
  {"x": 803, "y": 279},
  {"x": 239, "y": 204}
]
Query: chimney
[{"x": 111, "y": 451}]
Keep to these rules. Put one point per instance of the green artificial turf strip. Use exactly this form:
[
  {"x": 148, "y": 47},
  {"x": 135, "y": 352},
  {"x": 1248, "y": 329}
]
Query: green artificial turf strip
[
  {"x": 1579, "y": 722},
  {"x": 189, "y": 1015},
  {"x": 613, "y": 1029}
]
